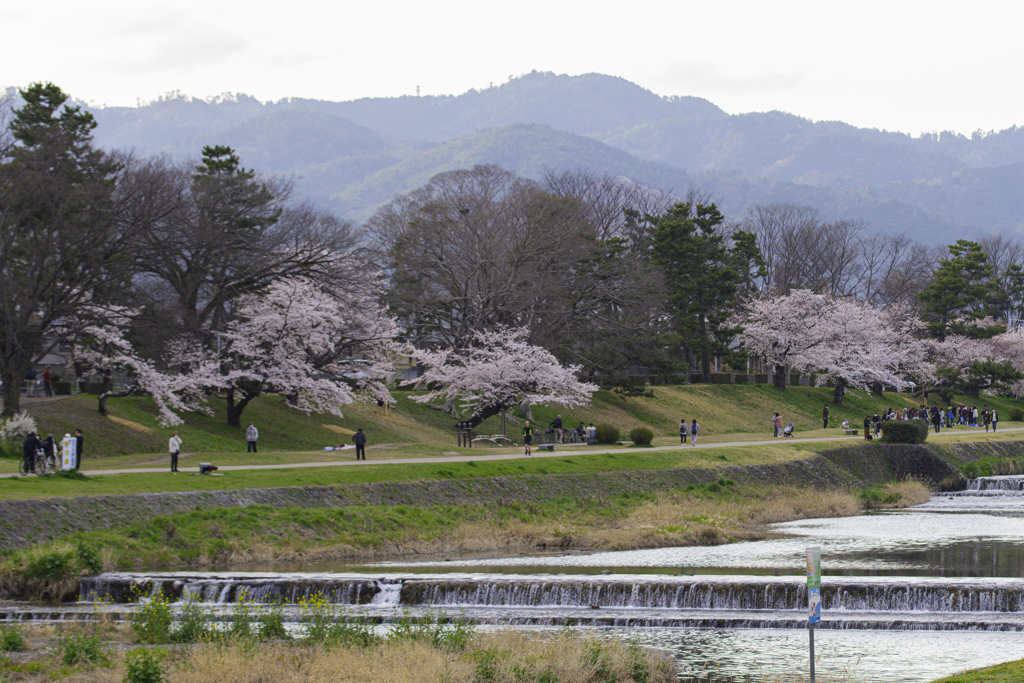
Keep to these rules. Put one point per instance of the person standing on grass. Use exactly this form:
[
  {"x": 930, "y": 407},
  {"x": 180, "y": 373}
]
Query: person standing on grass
[
  {"x": 995, "y": 419},
  {"x": 527, "y": 438},
  {"x": 174, "y": 446},
  {"x": 824, "y": 417},
  {"x": 251, "y": 434},
  {"x": 683, "y": 431},
  {"x": 777, "y": 423},
  {"x": 79, "y": 447},
  {"x": 867, "y": 427},
  {"x": 48, "y": 381},
  {"x": 694, "y": 431},
  {"x": 936, "y": 421},
  {"x": 359, "y": 438},
  {"x": 985, "y": 417}
]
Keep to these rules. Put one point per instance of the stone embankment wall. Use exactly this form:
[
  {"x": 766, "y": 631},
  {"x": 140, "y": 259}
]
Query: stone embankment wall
[{"x": 27, "y": 522}]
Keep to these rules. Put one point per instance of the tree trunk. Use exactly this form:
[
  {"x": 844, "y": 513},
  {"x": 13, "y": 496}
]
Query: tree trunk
[
  {"x": 12, "y": 393},
  {"x": 483, "y": 414},
  {"x": 839, "y": 393},
  {"x": 779, "y": 377},
  {"x": 877, "y": 388},
  {"x": 705, "y": 352},
  {"x": 235, "y": 406},
  {"x": 104, "y": 392}
]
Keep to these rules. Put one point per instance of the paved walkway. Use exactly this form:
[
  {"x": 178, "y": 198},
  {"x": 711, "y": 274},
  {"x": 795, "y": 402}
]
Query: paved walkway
[{"x": 564, "y": 451}]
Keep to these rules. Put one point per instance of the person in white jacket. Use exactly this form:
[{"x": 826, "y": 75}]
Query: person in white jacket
[
  {"x": 251, "y": 434},
  {"x": 174, "y": 446}
]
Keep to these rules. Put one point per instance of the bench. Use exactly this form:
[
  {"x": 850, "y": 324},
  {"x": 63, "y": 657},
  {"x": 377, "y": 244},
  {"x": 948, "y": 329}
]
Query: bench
[{"x": 851, "y": 432}]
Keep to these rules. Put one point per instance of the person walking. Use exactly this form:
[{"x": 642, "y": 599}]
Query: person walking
[
  {"x": 527, "y": 438},
  {"x": 174, "y": 446},
  {"x": 79, "y": 447},
  {"x": 683, "y": 431},
  {"x": 694, "y": 431},
  {"x": 824, "y": 417},
  {"x": 867, "y": 427},
  {"x": 591, "y": 434},
  {"x": 995, "y": 419},
  {"x": 48, "y": 381},
  {"x": 556, "y": 425},
  {"x": 777, "y": 423},
  {"x": 936, "y": 421},
  {"x": 359, "y": 438},
  {"x": 985, "y": 417},
  {"x": 251, "y": 434}
]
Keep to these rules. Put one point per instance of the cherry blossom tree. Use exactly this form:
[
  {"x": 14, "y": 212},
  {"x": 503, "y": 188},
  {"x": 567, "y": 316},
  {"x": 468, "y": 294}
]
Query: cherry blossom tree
[
  {"x": 780, "y": 330},
  {"x": 97, "y": 345},
  {"x": 498, "y": 370},
  {"x": 850, "y": 343},
  {"x": 314, "y": 343}
]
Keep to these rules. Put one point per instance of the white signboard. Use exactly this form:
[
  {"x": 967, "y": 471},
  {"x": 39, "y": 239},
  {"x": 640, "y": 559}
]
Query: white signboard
[{"x": 67, "y": 454}]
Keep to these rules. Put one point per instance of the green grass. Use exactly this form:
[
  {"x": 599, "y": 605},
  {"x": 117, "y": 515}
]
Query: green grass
[
  {"x": 160, "y": 481},
  {"x": 1010, "y": 672}
]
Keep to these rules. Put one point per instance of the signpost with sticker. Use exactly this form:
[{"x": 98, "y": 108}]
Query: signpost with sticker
[{"x": 813, "y": 596}]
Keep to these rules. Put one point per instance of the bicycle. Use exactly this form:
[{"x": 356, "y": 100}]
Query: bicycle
[{"x": 45, "y": 464}]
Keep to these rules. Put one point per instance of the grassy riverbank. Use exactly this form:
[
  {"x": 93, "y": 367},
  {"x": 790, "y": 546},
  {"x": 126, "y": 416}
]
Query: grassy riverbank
[
  {"x": 709, "y": 514},
  {"x": 1010, "y": 672},
  {"x": 734, "y": 411}
]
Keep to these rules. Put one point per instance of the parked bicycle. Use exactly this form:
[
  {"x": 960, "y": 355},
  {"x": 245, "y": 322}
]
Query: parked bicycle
[{"x": 45, "y": 464}]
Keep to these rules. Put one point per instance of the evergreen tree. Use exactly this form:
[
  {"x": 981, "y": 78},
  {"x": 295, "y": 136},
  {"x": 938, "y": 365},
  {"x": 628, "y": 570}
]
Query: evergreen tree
[
  {"x": 962, "y": 292},
  {"x": 704, "y": 273}
]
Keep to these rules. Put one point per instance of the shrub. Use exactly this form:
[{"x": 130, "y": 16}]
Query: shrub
[
  {"x": 76, "y": 650},
  {"x": 151, "y": 621},
  {"x": 905, "y": 431},
  {"x": 271, "y": 624},
  {"x": 607, "y": 433},
  {"x": 1016, "y": 415},
  {"x": 696, "y": 378},
  {"x": 11, "y": 639},
  {"x": 143, "y": 666},
  {"x": 195, "y": 626},
  {"x": 721, "y": 378},
  {"x": 62, "y": 388},
  {"x": 641, "y": 436},
  {"x": 742, "y": 378},
  {"x": 761, "y": 378},
  {"x": 15, "y": 429}
]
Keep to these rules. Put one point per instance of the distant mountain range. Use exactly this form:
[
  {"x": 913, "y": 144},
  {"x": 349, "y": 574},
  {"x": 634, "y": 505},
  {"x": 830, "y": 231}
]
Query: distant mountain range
[{"x": 355, "y": 155}]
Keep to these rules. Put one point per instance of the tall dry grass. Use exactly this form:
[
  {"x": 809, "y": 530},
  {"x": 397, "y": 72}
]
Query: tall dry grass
[{"x": 498, "y": 657}]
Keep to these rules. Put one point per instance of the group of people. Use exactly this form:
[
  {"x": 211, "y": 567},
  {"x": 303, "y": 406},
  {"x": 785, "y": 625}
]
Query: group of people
[
  {"x": 588, "y": 433},
  {"x": 968, "y": 416},
  {"x": 692, "y": 430},
  {"x": 33, "y": 447},
  {"x": 31, "y": 380}
]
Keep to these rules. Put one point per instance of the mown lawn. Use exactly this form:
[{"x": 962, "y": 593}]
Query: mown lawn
[{"x": 1010, "y": 672}]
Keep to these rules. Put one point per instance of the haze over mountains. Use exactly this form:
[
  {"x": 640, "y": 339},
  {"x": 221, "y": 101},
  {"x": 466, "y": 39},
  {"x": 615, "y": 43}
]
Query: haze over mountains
[{"x": 355, "y": 155}]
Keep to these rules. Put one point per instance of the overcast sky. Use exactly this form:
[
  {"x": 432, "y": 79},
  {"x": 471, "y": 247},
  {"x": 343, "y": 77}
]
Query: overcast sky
[{"x": 908, "y": 66}]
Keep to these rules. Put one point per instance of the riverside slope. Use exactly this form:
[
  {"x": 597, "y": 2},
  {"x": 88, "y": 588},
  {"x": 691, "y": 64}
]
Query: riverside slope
[{"x": 31, "y": 521}]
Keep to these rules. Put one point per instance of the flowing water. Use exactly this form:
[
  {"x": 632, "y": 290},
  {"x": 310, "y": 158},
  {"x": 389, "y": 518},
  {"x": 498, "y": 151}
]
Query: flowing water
[{"x": 909, "y": 595}]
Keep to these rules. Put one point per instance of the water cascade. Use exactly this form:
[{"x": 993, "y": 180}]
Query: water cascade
[{"x": 692, "y": 601}]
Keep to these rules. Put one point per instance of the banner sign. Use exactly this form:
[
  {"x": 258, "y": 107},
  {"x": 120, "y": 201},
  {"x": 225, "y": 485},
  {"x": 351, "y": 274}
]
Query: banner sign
[{"x": 814, "y": 585}]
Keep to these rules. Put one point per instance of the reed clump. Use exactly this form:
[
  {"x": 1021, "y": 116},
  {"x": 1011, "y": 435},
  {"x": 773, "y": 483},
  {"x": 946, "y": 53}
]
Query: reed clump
[{"x": 505, "y": 656}]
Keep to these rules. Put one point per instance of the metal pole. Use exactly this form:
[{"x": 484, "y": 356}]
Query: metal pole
[{"x": 811, "y": 629}]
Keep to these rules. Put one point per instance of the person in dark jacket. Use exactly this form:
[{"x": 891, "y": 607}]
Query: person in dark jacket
[
  {"x": 824, "y": 417},
  {"x": 79, "y": 447},
  {"x": 29, "y": 450},
  {"x": 527, "y": 438},
  {"x": 556, "y": 425},
  {"x": 359, "y": 438},
  {"x": 49, "y": 446},
  {"x": 867, "y": 427},
  {"x": 936, "y": 421}
]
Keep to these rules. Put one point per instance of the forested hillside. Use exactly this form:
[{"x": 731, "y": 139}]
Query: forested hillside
[{"x": 355, "y": 155}]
